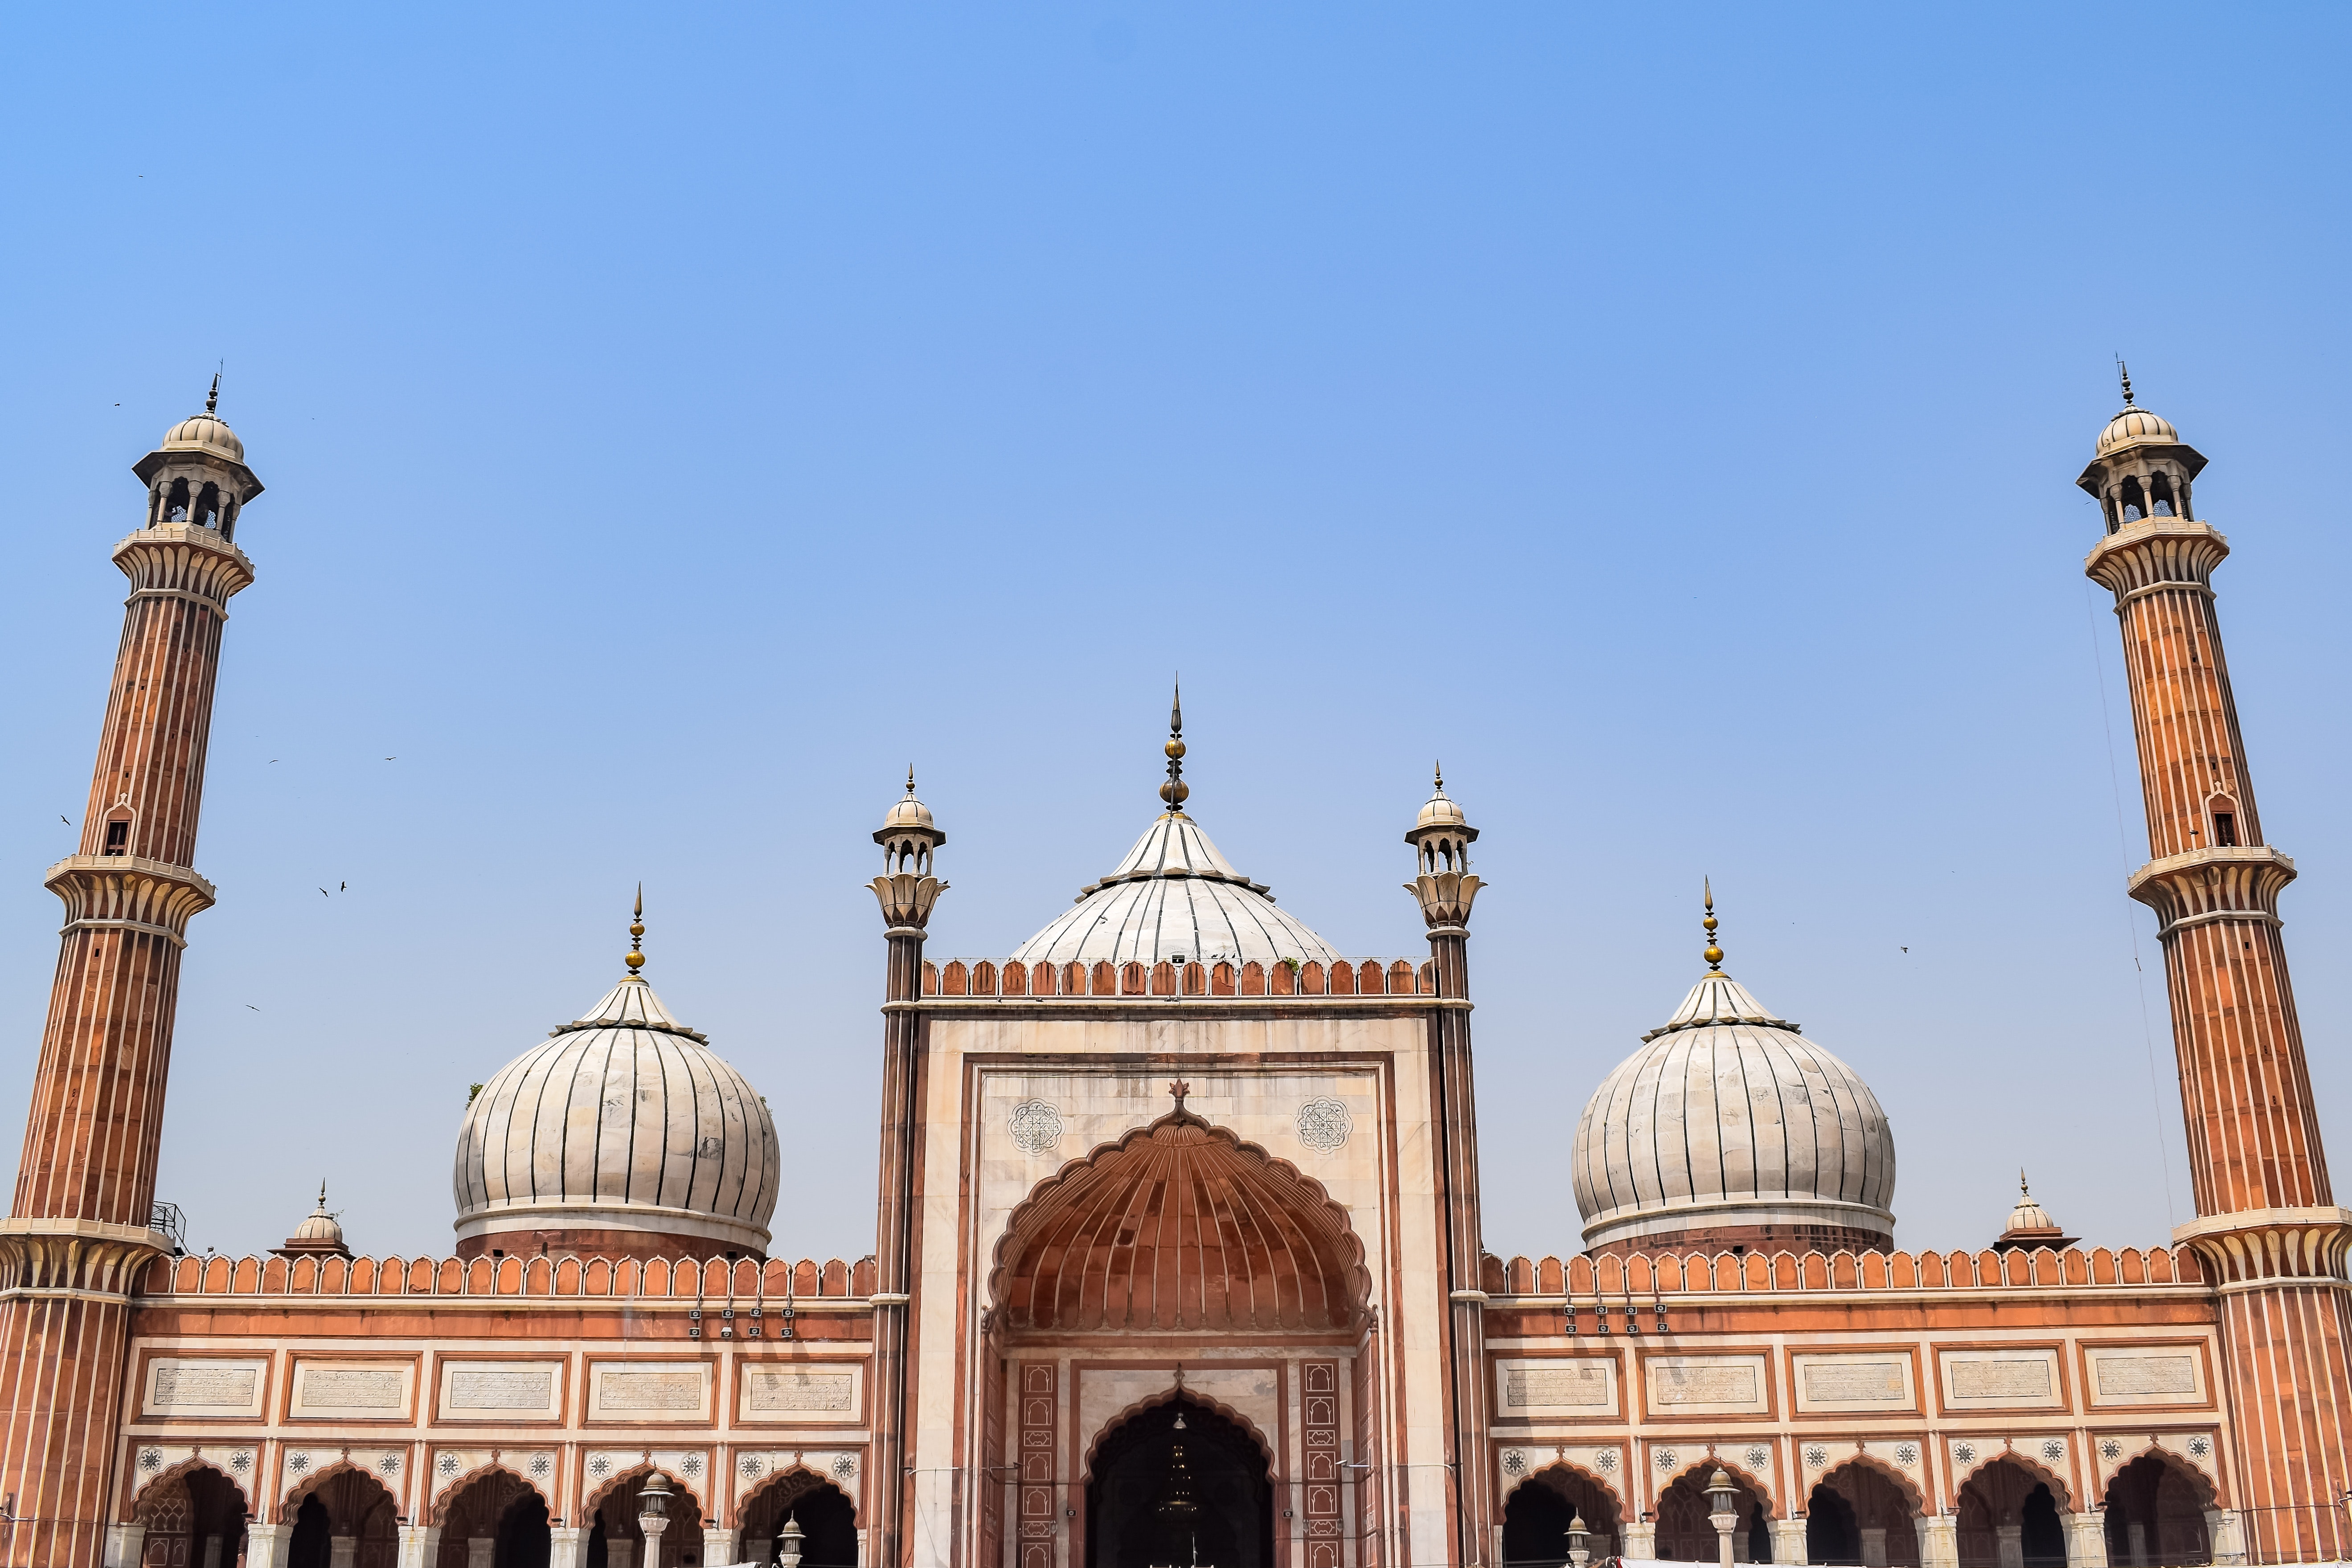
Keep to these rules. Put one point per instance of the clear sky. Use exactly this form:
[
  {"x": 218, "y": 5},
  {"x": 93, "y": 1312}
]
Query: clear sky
[{"x": 675, "y": 422}]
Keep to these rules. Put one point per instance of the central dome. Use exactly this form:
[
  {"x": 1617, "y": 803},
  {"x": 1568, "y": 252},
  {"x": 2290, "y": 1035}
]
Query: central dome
[
  {"x": 1729, "y": 1128},
  {"x": 1175, "y": 897},
  {"x": 622, "y": 1135}
]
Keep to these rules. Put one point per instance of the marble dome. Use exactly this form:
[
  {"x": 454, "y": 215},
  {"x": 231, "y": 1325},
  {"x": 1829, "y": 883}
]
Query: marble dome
[
  {"x": 625, "y": 1122},
  {"x": 1728, "y": 1117},
  {"x": 204, "y": 432},
  {"x": 1175, "y": 894},
  {"x": 2136, "y": 427}
]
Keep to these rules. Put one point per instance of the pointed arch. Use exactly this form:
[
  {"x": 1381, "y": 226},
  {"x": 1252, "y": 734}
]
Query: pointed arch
[
  {"x": 1167, "y": 1396},
  {"x": 1178, "y": 1224},
  {"x": 442, "y": 1499},
  {"x": 291, "y": 1504},
  {"x": 179, "y": 1471},
  {"x": 1701, "y": 1469},
  {"x": 1570, "y": 1468},
  {"x": 1986, "y": 1459},
  {"x": 1861, "y": 1459},
  {"x": 799, "y": 1480},
  {"x": 619, "y": 1479},
  {"x": 2206, "y": 1488}
]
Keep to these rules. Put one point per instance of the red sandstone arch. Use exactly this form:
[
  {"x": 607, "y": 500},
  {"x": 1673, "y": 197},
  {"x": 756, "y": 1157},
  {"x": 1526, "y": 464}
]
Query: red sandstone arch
[
  {"x": 1170, "y": 1396},
  {"x": 193, "y": 1462},
  {"x": 1568, "y": 1468},
  {"x": 291, "y": 1504},
  {"x": 797, "y": 1480},
  {"x": 618, "y": 1478},
  {"x": 2202, "y": 1485},
  {"x": 1179, "y": 1225},
  {"x": 447, "y": 1495},
  {"x": 1987, "y": 1458},
  {"x": 1701, "y": 1469},
  {"x": 1865, "y": 1460}
]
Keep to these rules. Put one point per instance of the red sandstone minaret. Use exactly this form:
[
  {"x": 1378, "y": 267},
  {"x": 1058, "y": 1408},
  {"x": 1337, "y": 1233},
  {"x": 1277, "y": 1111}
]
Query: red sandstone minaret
[
  {"x": 1445, "y": 889},
  {"x": 79, "y": 1233},
  {"x": 2267, "y": 1226}
]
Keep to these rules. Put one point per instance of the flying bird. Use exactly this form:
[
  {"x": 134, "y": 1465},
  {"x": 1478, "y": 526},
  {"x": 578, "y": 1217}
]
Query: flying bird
[
  {"x": 325, "y": 894},
  {"x": 392, "y": 759},
  {"x": 346, "y": 886},
  {"x": 62, "y": 817},
  {"x": 1906, "y": 950},
  {"x": 250, "y": 1004}
]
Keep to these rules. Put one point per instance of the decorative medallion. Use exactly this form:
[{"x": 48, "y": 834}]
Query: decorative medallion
[
  {"x": 389, "y": 1464},
  {"x": 241, "y": 1462},
  {"x": 1816, "y": 1456},
  {"x": 690, "y": 1467},
  {"x": 300, "y": 1462},
  {"x": 1324, "y": 1124},
  {"x": 1906, "y": 1455},
  {"x": 844, "y": 1467},
  {"x": 2199, "y": 1446},
  {"x": 749, "y": 1467},
  {"x": 598, "y": 1464},
  {"x": 1965, "y": 1453},
  {"x": 2053, "y": 1450},
  {"x": 447, "y": 1464},
  {"x": 1036, "y": 1126},
  {"x": 2110, "y": 1450},
  {"x": 150, "y": 1459},
  {"x": 1606, "y": 1460},
  {"x": 541, "y": 1465},
  {"x": 1514, "y": 1462},
  {"x": 1665, "y": 1457},
  {"x": 1759, "y": 1458}
]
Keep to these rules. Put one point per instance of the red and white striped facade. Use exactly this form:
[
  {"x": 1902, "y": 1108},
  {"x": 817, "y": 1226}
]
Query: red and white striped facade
[{"x": 1176, "y": 1197}]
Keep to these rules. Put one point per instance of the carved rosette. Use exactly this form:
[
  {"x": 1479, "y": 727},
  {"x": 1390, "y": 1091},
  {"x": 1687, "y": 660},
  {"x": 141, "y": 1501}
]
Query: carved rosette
[
  {"x": 1445, "y": 896},
  {"x": 2161, "y": 549},
  {"x": 2242, "y": 881},
  {"x": 906, "y": 899},
  {"x": 75, "y": 1256},
  {"x": 178, "y": 558},
  {"x": 126, "y": 892}
]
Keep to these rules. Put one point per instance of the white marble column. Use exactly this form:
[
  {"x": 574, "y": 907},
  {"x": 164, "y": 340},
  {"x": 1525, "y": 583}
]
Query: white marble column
[
  {"x": 2135, "y": 1541},
  {"x": 567, "y": 1547},
  {"x": 2086, "y": 1538},
  {"x": 481, "y": 1552},
  {"x": 1642, "y": 1540},
  {"x": 1939, "y": 1540},
  {"x": 1787, "y": 1539},
  {"x": 266, "y": 1545},
  {"x": 2223, "y": 1534},
  {"x": 2008, "y": 1545},
  {"x": 654, "y": 1524},
  {"x": 718, "y": 1548},
  {"x": 125, "y": 1544},
  {"x": 420, "y": 1547},
  {"x": 620, "y": 1554}
]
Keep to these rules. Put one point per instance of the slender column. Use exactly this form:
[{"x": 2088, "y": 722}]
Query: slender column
[
  {"x": 2268, "y": 1231},
  {"x": 1445, "y": 890},
  {"x": 77, "y": 1240},
  {"x": 907, "y": 892}
]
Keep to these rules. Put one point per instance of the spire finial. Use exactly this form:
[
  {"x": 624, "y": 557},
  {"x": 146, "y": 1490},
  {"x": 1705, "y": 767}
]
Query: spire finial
[
  {"x": 1174, "y": 791},
  {"x": 1714, "y": 953},
  {"x": 211, "y": 399},
  {"x": 2021, "y": 1191},
  {"x": 911, "y": 781},
  {"x": 2122, "y": 370},
  {"x": 636, "y": 956},
  {"x": 1437, "y": 772},
  {"x": 322, "y": 1193}
]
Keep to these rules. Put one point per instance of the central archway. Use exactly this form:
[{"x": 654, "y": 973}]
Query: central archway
[{"x": 1179, "y": 1484}]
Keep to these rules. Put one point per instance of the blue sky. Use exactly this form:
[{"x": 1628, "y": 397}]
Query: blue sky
[{"x": 675, "y": 423}]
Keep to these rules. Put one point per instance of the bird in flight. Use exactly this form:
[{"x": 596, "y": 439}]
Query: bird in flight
[
  {"x": 62, "y": 817},
  {"x": 250, "y": 1004},
  {"x": 346, "y": 886},
  {"x": 325, "y": 894}
]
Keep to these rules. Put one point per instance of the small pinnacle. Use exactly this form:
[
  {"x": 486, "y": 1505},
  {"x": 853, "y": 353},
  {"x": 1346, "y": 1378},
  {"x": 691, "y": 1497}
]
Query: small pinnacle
[
  {"x": 1174, "y": 791},
  {"x": 212, "y": 399},
  {"x": 2021, "y": 1191},
  {"x": 1714, "y": 953},
  {"x": 1180, "y": 1088},
  {"x": 635, "y": 956},
  {"x": 1437, "y": 770},
  {"x": 2124, "y": 371},
  {"x": 911, "y": 781}
]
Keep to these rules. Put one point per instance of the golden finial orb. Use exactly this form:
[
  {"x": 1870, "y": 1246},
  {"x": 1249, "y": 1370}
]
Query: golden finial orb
[
  {"x": 635, "y": 958},
  {"x": 1714, "y": 953}
]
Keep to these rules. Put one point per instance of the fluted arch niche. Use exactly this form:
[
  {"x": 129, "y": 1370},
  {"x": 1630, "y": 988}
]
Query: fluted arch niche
[{"x": 1179, "y": 1225}]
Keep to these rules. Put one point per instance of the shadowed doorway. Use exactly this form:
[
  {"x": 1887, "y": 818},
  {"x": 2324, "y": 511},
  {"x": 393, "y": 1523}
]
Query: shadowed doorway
[{"x": 1180, "y": 1485}]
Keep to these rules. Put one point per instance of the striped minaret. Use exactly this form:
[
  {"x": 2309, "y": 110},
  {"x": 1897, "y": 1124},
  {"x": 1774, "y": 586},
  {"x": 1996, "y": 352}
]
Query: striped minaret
[
  {"x": 80, "y": 1231},
  {"x": 2267, "y": 1226}
]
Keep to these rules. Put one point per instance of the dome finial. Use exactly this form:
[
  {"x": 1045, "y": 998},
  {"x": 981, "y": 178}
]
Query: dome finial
[
  {"x": 911, "y": 781},
  {"x": 1174, "y": 791},
  {"x": 2123, "y": 371},
  {"x": 1437, "y": 775},
  {"x": 1714, "y": 953},
  {"x": 211, "y": 399},
  {"x": 636, "y": 954}
]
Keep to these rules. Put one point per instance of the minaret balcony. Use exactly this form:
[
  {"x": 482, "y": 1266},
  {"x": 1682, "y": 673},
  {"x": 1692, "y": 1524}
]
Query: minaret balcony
[
  {"x": 2157, "y": 551},
  {"x": 2223, "y": 882},
  {"x": 129, "y": 892}
]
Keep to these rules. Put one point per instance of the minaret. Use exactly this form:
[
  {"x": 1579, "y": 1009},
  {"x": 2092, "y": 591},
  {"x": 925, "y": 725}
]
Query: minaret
[
  {"x": 79, "y": 1235},
  {"x": 2267, "y": 1228},
  {"x": 907, "y": 889},
  {"x": 1441, "y": 839}
]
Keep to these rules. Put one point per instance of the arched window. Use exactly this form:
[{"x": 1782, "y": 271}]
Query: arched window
[
  {"x": 2224, "y": 814},
  {"x": 207, "y": 512},
  {"x": 175, "y": 508},
  {"x": 2134, "y": 500},
  {"x": 118, "y": 832},
  {"x": 2160, "y": 493}
]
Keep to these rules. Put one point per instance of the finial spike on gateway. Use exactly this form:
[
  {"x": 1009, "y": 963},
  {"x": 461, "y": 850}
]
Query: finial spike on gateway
[
  {"x": 1174, "y": 791},
  {"x": 2124, "y": 371},
  {"x": 212, "y": 399},
  {"x": 1714, "y": 953},
  {"x": 635, "y": 957}
]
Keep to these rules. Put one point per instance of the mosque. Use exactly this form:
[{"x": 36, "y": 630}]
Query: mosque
[{"x": 1178, "y": 1257}]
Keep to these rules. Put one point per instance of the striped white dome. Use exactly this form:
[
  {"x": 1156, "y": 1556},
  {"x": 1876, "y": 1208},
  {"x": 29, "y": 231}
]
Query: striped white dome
[
  {"x": 1173, "y": 894},
  {"x": 623, "y": 1121},
  {"x": 1727, "y": 1115}
]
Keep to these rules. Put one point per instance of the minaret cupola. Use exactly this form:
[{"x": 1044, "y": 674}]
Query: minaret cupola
[
  {"x": 1442, "y": 836},
  {"x": 906, "y": 887},
  {"x": 2141, "y": 468},
  {"x": 198, "y": 477}
]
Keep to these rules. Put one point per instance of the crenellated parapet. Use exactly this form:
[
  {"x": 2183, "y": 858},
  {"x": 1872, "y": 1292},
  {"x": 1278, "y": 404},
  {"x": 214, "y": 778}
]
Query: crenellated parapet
[
  {"x": 1344, "y": 977},
  {"x": 123, "y": 892},
  {"x": 184, "y": 561},
  {"x": 2235, "y": 882}
]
